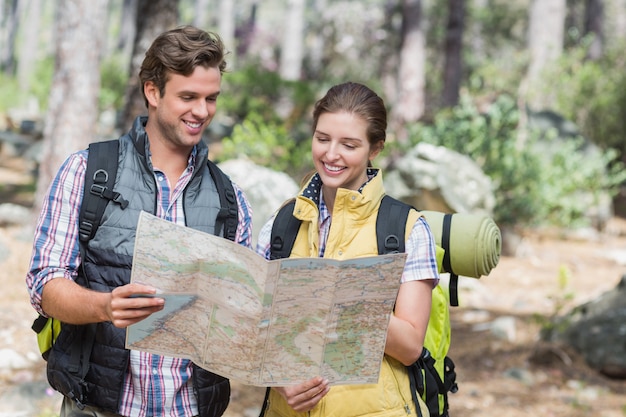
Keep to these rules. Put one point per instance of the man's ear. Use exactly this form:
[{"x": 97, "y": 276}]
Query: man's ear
[{"x": 152, "y": 93}]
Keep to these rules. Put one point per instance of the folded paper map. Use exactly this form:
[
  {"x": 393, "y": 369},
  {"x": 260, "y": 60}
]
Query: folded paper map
[{"x": 259, "y": 322}]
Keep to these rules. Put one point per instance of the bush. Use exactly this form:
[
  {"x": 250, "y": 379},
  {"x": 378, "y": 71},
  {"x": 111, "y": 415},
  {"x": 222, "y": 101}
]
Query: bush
[
  {"x": 539, "y": 177},
  {"x": 113, "y": 80},
  {"x": 267, "y": 144},
  {"x": 593, "y": 95}
]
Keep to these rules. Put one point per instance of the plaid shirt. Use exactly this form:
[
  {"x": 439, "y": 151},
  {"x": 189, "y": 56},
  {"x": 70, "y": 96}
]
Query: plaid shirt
[{"x": 155, "y": 385}]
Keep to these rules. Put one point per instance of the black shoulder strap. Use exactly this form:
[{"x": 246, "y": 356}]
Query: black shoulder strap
[
  {"x": 391, "y": 224},
  {"x": 390, "y": 227},
  {"x": 98, "y": 191},
  {"x": 227, "y": 218},
  {"x": 447, "y": 264},
  {"x": 284, "y": 231}
]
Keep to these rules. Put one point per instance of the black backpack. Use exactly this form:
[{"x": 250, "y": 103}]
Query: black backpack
[
  {"x": 390, "y": 235},
  {"x": 99, "y": 190}
]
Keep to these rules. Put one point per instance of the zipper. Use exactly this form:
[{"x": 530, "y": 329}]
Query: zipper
[{"x": 407, "y": 408}]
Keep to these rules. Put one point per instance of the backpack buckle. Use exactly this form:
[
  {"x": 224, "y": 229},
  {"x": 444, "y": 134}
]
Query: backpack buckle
[{"x": 392, "y": 244}]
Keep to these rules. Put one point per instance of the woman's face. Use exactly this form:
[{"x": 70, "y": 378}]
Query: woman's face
[{"x": 341, "y": 151}]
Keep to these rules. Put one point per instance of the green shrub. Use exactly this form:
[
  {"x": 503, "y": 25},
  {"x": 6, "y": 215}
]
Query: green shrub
[
  {"x": 9, "y": 92},
  {"x": 113, "y": 80},
  {"x": 267, "y": 144},
  {"x": 538, "y": 177},
  {"x": 593, "y": 95},
  {"x": 254, "y": 90}
]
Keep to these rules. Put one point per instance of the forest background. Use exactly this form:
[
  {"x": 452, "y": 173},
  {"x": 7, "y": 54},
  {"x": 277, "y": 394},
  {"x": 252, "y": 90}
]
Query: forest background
[
  {"x": 479, "y": 76},
  {"x": 534, "y": 91}
]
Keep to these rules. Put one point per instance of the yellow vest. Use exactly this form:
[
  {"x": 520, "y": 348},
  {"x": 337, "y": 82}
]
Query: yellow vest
[{"x": 352, "y": 235}]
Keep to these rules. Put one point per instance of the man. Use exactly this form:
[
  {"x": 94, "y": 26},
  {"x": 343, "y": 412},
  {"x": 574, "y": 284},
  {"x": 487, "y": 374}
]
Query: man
[{"x": 163, "y": 170}]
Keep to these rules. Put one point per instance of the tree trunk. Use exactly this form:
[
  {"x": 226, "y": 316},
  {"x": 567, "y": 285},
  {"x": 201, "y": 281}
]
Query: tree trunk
[
  {"x": 128, "y": 28},
  {"x": 410, "y": 104},
  {"x": 227, "y": 30},
  {"x": 475, "y": 30},
  {"x": 453, "y": 70},
  {"x": 389, "y": 62},
  {"x": 10, "y": 24},
  {"x": 291, "y": 52},
  {"x": 30, "y": 44},
  {"x": 545, "y": 43},
  {"x": 317, "y": 42},
  {"x": 153, "y": 18},
  {"x": 201, "y": 13},
  {"x": 72, "y": 114},
  {"x": 617, "y": 10},
  {"x": 246, "y": 31},
  {"x": 594, "y": 25}
]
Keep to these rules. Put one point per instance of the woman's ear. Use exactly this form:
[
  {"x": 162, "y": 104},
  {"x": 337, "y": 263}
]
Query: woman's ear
[{"x": 376, "y": 149}]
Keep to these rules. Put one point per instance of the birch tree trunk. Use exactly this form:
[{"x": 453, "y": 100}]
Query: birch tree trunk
[
  {"x": 545, "y": 43},
  {"x": 410, "y": 103},
  {"x": 72, "y": 114},
  {"x": 291, "y": 52},
  {"x": 30, "y": 44},
  {"x": 617, "y": 10},
  {"x": 227, "y": 30},
  {"x": 317, "y": 43},
  {"x": 201, "y": 13}
]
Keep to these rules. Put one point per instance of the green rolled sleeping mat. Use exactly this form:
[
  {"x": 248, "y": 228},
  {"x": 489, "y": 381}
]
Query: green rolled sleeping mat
[{"x": 472, "y": 242}]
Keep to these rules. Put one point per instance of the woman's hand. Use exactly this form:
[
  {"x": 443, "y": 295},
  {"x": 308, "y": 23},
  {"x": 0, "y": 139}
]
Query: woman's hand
[{"x": 304, "y": 397}]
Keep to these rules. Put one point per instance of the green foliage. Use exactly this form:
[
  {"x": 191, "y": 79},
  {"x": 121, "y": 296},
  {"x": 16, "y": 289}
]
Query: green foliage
[
  {"x": 9, "y": 92},
  {"x": 254, "y": 90},
  {"x": 272, "y": 123},
  {"x": 113, "y": 80},
  {"x": 593, "y": 95},
  {"x": 555, "y": 323},
  {"x": 538, "y": 177},
  {"x": 12, "y": 97},
  {"x": 113, "y": 84},
  {"x": 505, "y": 18},
  {"x": 266, "y": 144},
  {"x": 42, "y": 80}
]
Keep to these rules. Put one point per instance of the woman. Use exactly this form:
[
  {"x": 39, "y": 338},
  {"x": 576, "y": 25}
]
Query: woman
[{"x": 338, "y": 208}]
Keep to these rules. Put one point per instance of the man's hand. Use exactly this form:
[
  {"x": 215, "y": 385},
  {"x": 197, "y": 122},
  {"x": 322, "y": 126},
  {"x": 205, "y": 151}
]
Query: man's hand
[
  {"x": 132, "y": 303},
  {"x": 304, "y": 397}
]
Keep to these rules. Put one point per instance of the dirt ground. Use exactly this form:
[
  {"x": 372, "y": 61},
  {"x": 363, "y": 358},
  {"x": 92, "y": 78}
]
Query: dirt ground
[{"x": 509, "y": 375}]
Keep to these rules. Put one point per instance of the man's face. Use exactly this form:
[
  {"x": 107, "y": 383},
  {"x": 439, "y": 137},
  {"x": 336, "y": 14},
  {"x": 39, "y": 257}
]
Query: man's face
[{"x": 186, "y": 108}]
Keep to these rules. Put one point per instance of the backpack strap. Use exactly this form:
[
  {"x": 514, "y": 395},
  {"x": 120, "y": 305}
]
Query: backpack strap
[
  {"x": 227, "y": 217},
  {"x": 447, "y": 264},
  {"x": 98, "y": 191},
  {"x": 284, "y": 231},
  {"x": 391, "y": 225}
]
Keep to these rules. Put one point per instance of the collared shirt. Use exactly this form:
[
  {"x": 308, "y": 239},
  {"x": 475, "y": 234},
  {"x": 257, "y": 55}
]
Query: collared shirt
[
  {"x": 155, "y": 385},
  {"x": 421, "y": 262}
]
